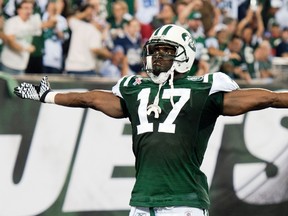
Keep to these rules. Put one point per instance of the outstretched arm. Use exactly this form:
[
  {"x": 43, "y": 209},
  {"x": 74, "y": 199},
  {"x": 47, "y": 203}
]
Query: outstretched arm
[
  {"x": 243, "y": 100},
  {"x": 104, "y": 101}
]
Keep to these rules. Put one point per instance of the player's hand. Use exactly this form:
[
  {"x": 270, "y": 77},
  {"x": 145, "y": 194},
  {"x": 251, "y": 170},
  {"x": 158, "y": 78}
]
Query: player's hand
[{"x": 33, "y": 92}]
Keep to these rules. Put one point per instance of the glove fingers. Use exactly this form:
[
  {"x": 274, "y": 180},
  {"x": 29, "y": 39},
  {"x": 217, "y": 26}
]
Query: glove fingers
[
  {"x": 30, "y": 91},
  {"x": 17, "y": 92},
  {"x": 26, "y": 91},
  {"x": 44, "y": 88},
  {"x": 44, "y": 84},
  {"x": 21, "y": 90}
]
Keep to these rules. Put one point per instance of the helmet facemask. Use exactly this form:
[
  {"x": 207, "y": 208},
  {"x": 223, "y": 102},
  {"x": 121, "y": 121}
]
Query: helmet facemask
[
  {"x": 180, "y": 60},
  {"x": 159, "y": 60}
]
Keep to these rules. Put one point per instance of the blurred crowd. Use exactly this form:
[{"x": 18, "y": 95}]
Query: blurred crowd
[{"x": 105, "y": 37}]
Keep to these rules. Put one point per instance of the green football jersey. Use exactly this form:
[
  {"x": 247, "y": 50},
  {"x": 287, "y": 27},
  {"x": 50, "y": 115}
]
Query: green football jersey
[{"x": 169, "y": 150}]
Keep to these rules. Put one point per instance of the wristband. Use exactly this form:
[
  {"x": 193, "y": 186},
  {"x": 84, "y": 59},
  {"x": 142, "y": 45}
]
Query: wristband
[{"x": 50, "y": 97}]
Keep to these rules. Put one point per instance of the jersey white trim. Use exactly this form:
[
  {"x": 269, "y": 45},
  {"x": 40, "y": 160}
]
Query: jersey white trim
[
  {"x": 222, "y": 82},
  {"x": 116, "y": 87},
  {"x": 128, "y": 80}
]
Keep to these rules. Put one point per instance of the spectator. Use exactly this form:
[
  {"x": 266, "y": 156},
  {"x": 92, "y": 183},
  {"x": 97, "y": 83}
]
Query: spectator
[
  {"x": 53, "y": 40},
  {"x": 282, "y": 14},
  {"x": 184, "y": 9},
  {"x": 166, "y": 15},
  {"x": 180, "y": 6},
  {"x": 227, "y": 8},
  {"x": 35, "y": 63},
  {"x": 234, "y": 67},
  {"x": 231, "y": 24},
  {"x": 20, "y": 30},
  {"x": 274, "y": 36},
  {"x": 195, "y": 27},
  {"x": 200, "y": 67},
  {"x": 217, "y": 48},
  {"x": 254, "y": 20},
  {"x": 99, "y": 22},
  {"x": 282, "y": 48},
  {"x": 144, "y": 12},
  {"x": 131, "y": 43},
  {"x": 263, "y": 64},
  {"x": 210, "y": 16},
  {"x": 120, "y": 16},
  {"x": 85, "y": 45},
  {"x": 62, "y": 8},
  {"x": 101, "y": 12},
  {"x": 251, "y": 30},
  {"x": 117, "y": 66},
  {"x": 270, "y": 9}
]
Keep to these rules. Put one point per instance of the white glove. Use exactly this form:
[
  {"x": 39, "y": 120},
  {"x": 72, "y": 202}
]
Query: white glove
[{"x": 33, "y": 92}]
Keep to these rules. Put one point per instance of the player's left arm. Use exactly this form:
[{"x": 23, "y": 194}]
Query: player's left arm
[{"x": 243, "y": 100}]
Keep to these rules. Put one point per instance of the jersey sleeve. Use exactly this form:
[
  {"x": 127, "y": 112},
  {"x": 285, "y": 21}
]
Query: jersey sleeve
[
  {"x": 221, "y": 83},
  {"x": 116, "y": 89}
]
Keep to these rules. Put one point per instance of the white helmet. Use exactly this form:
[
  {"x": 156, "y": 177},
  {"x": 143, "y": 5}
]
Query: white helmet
[{"x": 184, "y": 44}]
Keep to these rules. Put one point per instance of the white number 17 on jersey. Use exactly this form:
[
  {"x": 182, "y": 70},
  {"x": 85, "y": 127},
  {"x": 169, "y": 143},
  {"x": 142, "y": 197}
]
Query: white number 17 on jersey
[{"x": 167, "y": 126}]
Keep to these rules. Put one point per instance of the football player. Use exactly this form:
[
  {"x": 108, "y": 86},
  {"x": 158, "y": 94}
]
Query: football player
[{"x": 172, "y": 116}]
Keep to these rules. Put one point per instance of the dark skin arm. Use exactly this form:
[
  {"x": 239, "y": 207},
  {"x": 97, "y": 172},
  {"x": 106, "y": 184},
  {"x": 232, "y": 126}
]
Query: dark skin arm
[
  {"x": 241, "y": 101},
  {"x": 103, "y": 101}
]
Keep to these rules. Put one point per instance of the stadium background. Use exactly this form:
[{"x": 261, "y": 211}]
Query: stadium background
[{"x": 77, "y": 162}]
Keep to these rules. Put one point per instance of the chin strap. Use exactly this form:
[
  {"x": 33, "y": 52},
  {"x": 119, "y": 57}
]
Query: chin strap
[
  {"x": 172, "y": 88},
  {"x": 155, "y": 107}
]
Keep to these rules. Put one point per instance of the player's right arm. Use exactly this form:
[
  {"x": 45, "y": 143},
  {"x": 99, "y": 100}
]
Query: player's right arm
[{"x": 104, "y": 101}]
